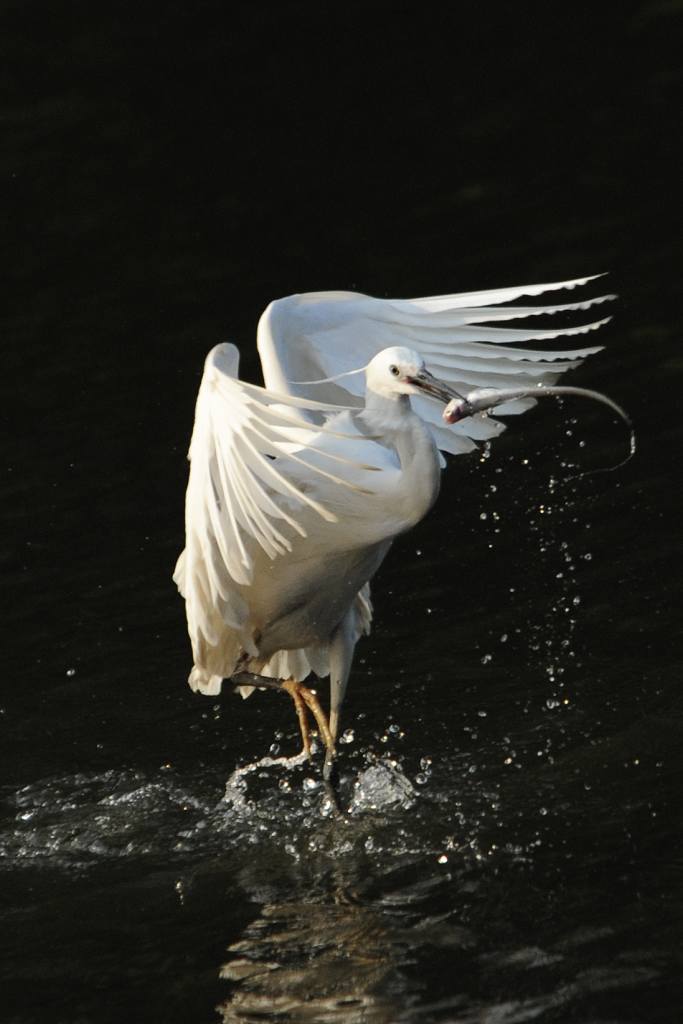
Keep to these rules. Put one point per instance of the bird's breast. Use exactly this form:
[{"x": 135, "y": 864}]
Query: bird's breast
[
  {"x": 303, "y": 596},
  {"x": 419, "y": 478}
]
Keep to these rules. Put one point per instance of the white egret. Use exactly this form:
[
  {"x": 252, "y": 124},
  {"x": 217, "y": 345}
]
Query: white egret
[{"x": 297, "y": 489}]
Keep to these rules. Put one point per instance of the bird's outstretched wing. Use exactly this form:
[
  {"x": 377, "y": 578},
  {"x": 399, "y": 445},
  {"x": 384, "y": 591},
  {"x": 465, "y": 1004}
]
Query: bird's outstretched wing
[
  {"x": 248, "y": 449},
  {"x": 321, "y": 334}
]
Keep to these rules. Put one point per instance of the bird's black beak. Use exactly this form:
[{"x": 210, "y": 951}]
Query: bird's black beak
[{"x": 425, "y": 382}]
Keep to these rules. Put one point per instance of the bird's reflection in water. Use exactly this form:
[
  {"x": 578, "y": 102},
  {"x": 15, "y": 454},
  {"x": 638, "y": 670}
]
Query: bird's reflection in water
[
  {"x": 341, "y": 915},
  {"x": 314, "y": 962}
]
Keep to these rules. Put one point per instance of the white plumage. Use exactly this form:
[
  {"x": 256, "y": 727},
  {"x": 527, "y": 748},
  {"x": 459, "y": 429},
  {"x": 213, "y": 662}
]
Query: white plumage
[{"x": 297, "y": 489}]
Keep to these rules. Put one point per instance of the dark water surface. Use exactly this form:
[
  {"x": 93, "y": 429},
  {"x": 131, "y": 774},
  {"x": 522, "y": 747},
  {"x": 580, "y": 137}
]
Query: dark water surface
[{"x": 512, "y": 766}]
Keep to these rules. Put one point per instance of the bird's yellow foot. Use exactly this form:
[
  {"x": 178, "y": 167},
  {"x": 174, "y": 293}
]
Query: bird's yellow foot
[{"x": 306, "y": 699}]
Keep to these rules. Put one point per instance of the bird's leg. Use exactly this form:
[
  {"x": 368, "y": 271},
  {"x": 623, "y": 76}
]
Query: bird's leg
[
  {"x": 293, "y": 688},
  {"x": 321, "y": 721},
  {"x": 304, "y": 698},
  {"x": 300, "y": 693}
]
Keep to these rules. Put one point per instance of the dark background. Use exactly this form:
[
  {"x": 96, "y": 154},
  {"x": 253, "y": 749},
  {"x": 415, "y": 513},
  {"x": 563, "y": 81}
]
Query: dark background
[{"x": 167, "y": 170}]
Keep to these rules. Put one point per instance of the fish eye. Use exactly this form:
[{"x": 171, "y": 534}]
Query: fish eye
[{"x": 394, "y": 370}]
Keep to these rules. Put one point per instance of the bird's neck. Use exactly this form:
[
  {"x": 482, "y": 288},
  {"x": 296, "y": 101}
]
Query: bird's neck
[
  {"x": 393, "y": 420},
  {"x": 387, "y": 415},
  {"x": 396, "y": 425}
]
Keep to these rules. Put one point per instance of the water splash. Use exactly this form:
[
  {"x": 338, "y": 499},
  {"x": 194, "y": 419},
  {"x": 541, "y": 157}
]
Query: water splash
[
  {"x": 236, "y": 786},
  {"x": 380, "y": 787},
  {"x": 76, "y": 820}
]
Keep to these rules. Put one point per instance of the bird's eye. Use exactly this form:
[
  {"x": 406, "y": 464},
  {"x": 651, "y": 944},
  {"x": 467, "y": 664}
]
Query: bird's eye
[{"x": 394, "y": 370}]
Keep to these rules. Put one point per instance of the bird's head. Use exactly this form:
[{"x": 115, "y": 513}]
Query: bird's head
[{"x": 402, "y": 371}]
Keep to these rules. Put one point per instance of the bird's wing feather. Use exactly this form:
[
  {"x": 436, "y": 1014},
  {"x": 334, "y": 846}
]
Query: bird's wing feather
[
  {"x": 243, "y": 488},
  {"x": 322, "y": 334}
]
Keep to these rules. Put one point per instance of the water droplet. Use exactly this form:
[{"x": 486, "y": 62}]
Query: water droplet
[
  {"x": 71, "y": 671},
  {"x": 482, "y": 714},
  {"x": 310, "y": 785},
  {"x": 503, "y": 638},
  {"x": 327, "y": 809},
  {"x": 543, "y": 810},
  {"x": 486, "y": 659},
  {"x": 576, "y": 600},
  {"x": 483, "y": 515},
  {"x": 421, "y": 779},
  {"x": 347, "y": 736},
  {"x": 443, "y": 859},
  {"x": 425, "y": 763}
]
